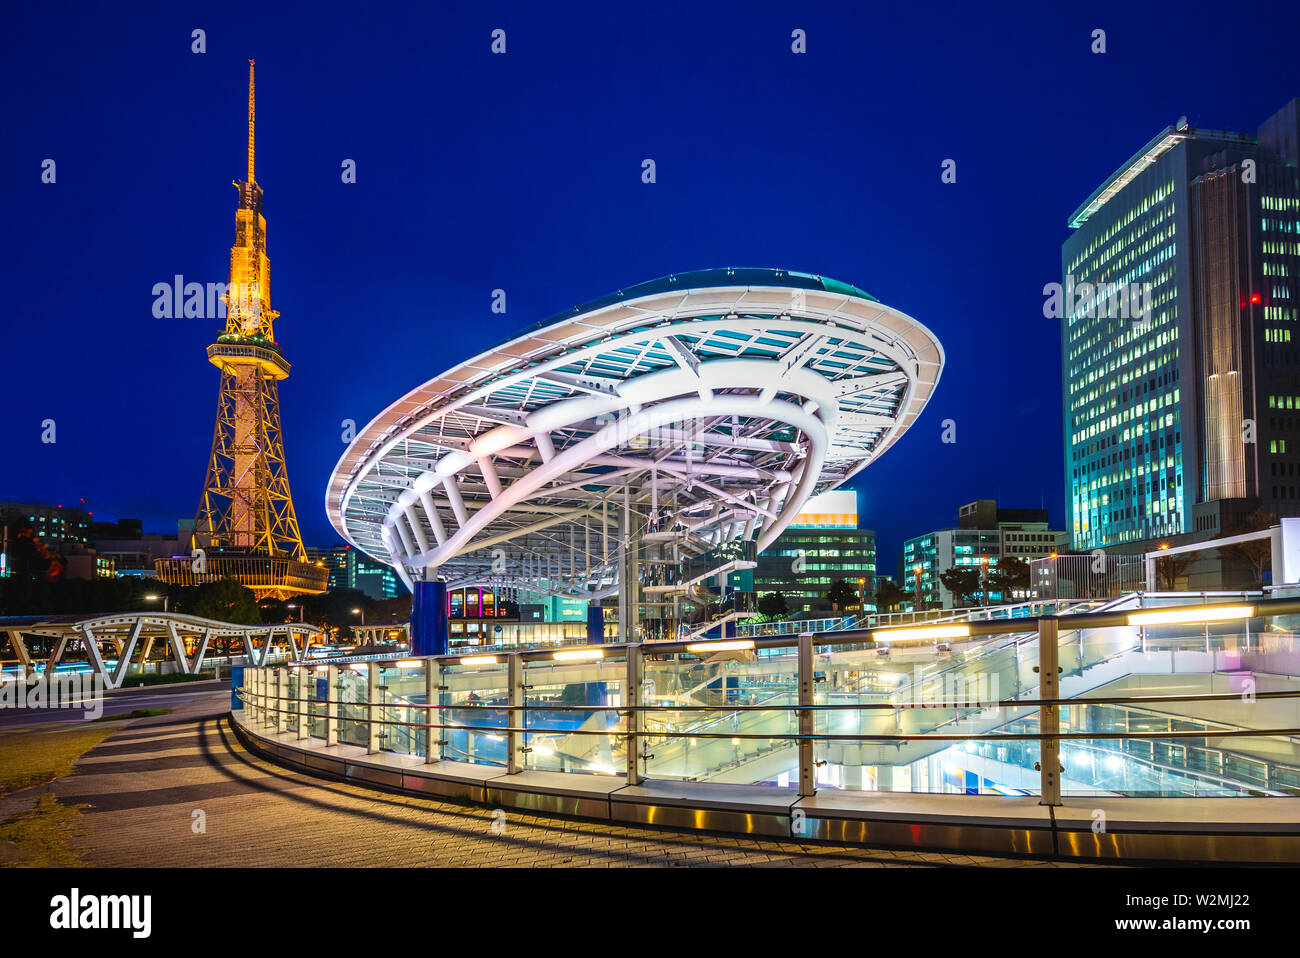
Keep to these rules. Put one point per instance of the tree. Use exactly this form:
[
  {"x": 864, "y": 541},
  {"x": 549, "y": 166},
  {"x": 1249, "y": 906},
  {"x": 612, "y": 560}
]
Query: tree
[
  {"x": 276, "y": 610},
  {"x": 962, "y": 581},
  {"x": 333, "y": 609},
  {"x": 36, "y": 596},
  {"x": 772, "y": 605},
  {"x": 889, "y": 595},
  {"x": 227, "y": 601},
  {"x": 841, "y": 593},
  {"x": 1254, "y": 555},
  {"x": 1170, "y": 568},
  {"x": 1009, "y": 575}
]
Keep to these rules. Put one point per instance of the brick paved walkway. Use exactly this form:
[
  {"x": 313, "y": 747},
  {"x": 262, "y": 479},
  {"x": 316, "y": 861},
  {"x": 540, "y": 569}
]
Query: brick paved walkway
[{"x": 145, "y": 782}]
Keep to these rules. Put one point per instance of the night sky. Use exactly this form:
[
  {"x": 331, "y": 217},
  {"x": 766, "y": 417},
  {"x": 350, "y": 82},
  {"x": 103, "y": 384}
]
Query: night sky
[{"x": 523, "y": 172}]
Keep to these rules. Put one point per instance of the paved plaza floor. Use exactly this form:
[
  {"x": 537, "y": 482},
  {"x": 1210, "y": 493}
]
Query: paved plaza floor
[{"x": 150, "y": 786}]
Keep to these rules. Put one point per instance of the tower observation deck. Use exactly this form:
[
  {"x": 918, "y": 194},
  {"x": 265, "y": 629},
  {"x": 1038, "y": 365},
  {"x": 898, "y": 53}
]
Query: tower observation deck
[{"x": 246, "y": 527}]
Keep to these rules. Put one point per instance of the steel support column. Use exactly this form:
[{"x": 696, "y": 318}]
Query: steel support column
[
  {"x": 304, "y": 720},
  {"x": 633, "y": 696},
  {"x": 432, "y": 716},
  {"x": 282, "y": 700},
  {"x": 374, "y": 710},
  {"x": 331, "y": 705},
  {"x": 515, "y": 715},
  {"x": 807, "y": 788},
  {"x": 1049, "y": 716}
]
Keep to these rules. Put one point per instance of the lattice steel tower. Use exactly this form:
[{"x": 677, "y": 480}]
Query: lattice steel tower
[{"x": 246, "y": 526}]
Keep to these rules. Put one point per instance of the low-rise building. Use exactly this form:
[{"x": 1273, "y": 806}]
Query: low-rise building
[{"x": 983, "y": 536}]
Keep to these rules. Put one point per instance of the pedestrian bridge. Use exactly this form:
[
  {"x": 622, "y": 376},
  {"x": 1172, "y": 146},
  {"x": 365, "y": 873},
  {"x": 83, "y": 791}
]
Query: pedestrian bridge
[{"x": 117, "y": 645}]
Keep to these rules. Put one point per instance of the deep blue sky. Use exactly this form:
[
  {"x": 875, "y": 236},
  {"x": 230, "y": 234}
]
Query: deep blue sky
[{"x": 523, "y": 172}]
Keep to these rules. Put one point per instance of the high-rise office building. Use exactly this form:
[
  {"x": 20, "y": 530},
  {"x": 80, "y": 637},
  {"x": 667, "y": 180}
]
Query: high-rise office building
[
  {"x": 350, "y": 569},
  {"x": 822, "y": 544},
  {"x": 1181, "y": 376}
]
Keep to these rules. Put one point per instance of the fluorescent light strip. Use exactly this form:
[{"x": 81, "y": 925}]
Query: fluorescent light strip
[
  {"x": 479, "y": 660},
  {"x": 728, "y": 645},
  {"x": 577, "y": 655},
  {"x": 922, "y": 632},
  {"x": 1188, "y": 616}
]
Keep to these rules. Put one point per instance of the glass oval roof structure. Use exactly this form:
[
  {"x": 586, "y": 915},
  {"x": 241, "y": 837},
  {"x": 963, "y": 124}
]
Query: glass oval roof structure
[{"x": 722, "y": 399}]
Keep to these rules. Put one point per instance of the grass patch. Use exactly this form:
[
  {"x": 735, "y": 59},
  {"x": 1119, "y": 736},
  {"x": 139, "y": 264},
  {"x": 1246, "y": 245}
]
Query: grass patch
[
  {"x": 153, "y": 678},
  {"x": 33, "y": 758},
  {"x": 39, "y": 838},
  {"x": 134, "y": 713}
]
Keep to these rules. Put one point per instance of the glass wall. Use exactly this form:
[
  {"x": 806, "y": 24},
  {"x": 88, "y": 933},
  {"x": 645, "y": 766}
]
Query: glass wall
[
  {"x": 577, "y": 703},
  {"x": 472, "y": 701},
  {"x": 353, "y": 690},
  {"x": 402, "y": 686},
  {"x": 752, "y": 695}
]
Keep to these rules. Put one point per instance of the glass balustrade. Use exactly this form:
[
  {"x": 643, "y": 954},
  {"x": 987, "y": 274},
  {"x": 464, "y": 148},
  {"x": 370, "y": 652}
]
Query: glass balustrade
[
  {"x": 576, "y": 706},
  {"x": 1148, "y": 709}
]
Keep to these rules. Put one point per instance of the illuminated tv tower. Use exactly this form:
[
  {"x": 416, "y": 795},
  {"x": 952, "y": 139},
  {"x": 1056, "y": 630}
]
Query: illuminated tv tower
[{"x": 246, "y": 527}]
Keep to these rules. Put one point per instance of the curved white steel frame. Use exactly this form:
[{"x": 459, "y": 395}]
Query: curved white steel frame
[{"x": 718, "y": 409}]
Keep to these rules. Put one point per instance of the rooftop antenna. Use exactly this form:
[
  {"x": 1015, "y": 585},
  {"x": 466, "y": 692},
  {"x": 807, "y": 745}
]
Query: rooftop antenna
[{"x": 252, "y": 112}]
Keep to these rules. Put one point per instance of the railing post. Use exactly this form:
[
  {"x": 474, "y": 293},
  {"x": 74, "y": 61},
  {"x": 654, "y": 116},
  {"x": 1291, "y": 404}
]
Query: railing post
[
  {"x": 331, "y": 705},
  {"x": 268, "y": 716},
  {"x": 633, "y": 682},
  {"x": 1049, "y": 716},
  {"x": 251, "y": 700},
  {"x": 281, "y": 699},
  {"x": 807, "y": 788},
  {"x": 433, "y": 696},
  {"x": 374, "y": 711},
  {"x": 304, "y": 720},
  {"x": 515, "y": 714}
]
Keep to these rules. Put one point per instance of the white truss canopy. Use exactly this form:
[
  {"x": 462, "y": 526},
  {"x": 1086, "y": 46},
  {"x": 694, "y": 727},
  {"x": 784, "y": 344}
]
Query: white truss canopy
[{"x": 717, "y": 402}]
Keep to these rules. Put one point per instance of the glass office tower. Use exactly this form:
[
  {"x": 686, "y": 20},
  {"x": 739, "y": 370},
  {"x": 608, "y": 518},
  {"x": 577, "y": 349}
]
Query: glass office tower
[
  {"x": 1179, "y": 300},
  {"x": 821, "y": 545}
]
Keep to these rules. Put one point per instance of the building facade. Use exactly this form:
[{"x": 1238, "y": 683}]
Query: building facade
[
  {"x": 350, "y": 569},
  {"x": 984, "y": 535},
  {"x": 1179, "y": 338},
  {"x": 821, "y": 545},
  {"x": 51, "y": 541},
  {"x": 134, "y": 551},
  {"x": 58, "y": 526}
]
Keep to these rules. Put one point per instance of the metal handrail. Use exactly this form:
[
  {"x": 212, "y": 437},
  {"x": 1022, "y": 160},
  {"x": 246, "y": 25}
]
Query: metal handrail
[
  {"x": 785, "y": 736},
  {"x": 847, "y": 706}
]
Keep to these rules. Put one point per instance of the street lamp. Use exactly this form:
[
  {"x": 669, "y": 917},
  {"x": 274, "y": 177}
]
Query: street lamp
[
  {"x": 862, "y": 595},
  {"x": 362, "y": 613},
  {"x": 166, "y": 599},
  {"x": 295, "y": 605}
]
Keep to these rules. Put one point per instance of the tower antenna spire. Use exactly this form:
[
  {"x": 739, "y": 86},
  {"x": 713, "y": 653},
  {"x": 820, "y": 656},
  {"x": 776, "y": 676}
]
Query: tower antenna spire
[{"x": 252, "y": 113}]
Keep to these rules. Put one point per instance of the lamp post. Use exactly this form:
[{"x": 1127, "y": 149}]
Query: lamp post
[
  {"x": 362, "y": 613},
  {"x": 984, "y": 581},
  {"x": 298, "y": 606},
  {"x": 862, "y": 595},
  {"x": 166, "y": 600}
]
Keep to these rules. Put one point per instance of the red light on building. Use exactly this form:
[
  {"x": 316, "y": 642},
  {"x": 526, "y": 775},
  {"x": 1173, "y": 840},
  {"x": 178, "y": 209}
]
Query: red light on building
[{"x": 1254, "y": 298}]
